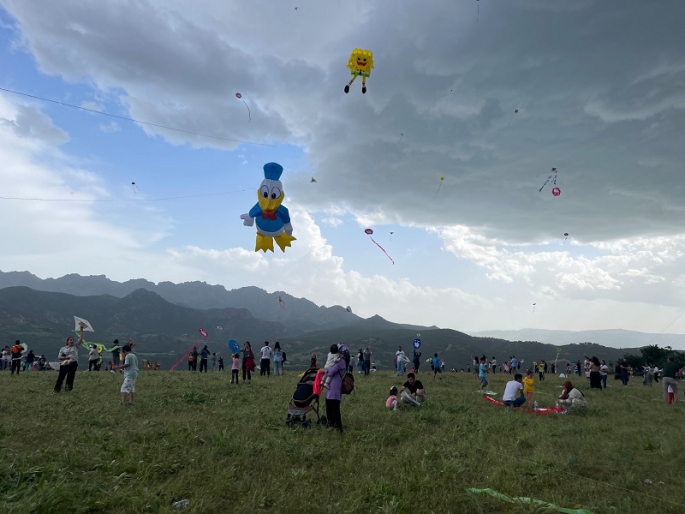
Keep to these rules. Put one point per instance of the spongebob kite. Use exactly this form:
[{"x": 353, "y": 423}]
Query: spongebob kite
[
  {"x": 360, "y": 63},
  {"x": 273, "y": 220}
]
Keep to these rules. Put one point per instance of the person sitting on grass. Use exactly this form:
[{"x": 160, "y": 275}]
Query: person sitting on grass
[
  {"x": 391, "y": 402},
  {"x": 513, "y": 392},
  {"x": 130, "y": 367},
  {"x": 572, "y": 396},
  {"x": 416, "y": 394}
]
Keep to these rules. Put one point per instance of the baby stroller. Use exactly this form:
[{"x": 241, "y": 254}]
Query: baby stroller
[{"x": 304, "y": 401}]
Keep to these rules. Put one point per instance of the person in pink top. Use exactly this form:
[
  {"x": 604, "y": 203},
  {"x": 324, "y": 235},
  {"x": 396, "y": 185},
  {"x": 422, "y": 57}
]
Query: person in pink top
[
  {"x": 235, "y": 367},
  {"x": 391, "y": 402}
]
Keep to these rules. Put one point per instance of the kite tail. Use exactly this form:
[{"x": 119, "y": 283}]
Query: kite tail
[
  {"x": 386, "y": 253},
  {"x": 184, "y": 356},
  {"x": 543, "y": 185},
  {"x": 439, "y": 186}
]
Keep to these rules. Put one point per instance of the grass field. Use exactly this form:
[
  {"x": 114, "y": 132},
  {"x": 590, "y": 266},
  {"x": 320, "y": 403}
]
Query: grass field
[{"x": 226, "y": 448}]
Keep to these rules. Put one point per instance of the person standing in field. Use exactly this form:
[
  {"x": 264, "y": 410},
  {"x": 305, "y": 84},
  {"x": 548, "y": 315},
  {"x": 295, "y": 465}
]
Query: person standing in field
[
  {"x": 235, "y": 367},
  {"x": 68, "y": 358},
  {"x": 417, "y": 361},
  {"x": 514, "y": 363},
  {"x": 265, "y": 364},
  {"x": 278, "y": 360},
  {"x": 625, "y": 371},
  {"x": 360, "y": 361},
  {"x": 668, "y": 379},
  {"x": 399, "y": 359},
  {"x": 248, "y": 362},
  {"x": 213, "y": 361},
  {"x": 191, "y": 359},
  {"x": 221, "y": 363},
  {"x": 483, "y": 373},
  {"x": 367, "y": 360},
  {"x": 334, "y": 391},
  {"x": 6, "y": 357},
  {"x": 93, "y": 357},
  {"x": 595, "y": 375},
  {"x": 604, "y": 372},
  {"x": 16, "y": 356},
  {"x": 529, "y": 386},
  {"x": 115, "y": 352},
  {"x": 493, "y": 365},
  {"x": 130, "y": 368},
  {"x": 204, "y": 355}
]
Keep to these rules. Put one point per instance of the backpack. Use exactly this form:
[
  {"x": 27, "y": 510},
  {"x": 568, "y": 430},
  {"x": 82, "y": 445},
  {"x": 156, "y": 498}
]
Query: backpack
[
  {"x": 284, "y": 359},
  {"x": 347, "y": 385}
]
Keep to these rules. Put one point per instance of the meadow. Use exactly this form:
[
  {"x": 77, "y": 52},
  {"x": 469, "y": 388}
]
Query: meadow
[{"x": 226, "y": 448}]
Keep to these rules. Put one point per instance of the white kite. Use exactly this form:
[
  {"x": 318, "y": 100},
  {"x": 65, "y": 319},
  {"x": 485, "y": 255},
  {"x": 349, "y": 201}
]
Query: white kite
[{"x": 80, "y": 322}]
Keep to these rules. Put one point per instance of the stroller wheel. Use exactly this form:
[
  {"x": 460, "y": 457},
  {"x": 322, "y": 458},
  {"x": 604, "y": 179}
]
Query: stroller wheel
[
  {"x": 323, "y": 421},
  {"x": 307, "y": 424}
]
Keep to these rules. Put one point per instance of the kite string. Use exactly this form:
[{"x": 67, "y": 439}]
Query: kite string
[
  {"x": 379, "y": 246},
  {"x": 99, "y": 200},
  {"x": 249, "y": 115},
  {"x": 95, "y": 111}
]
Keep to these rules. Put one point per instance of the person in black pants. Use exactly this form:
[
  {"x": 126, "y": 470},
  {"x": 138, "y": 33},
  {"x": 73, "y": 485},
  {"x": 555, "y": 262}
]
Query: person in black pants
[
  {"x": 68, "y": 357},
  {"x": 265, "y": 364},
  {"x": 16, "y": 356},
  {"x": 204, "y": 355},
  {"x": 248, "y": 362}
]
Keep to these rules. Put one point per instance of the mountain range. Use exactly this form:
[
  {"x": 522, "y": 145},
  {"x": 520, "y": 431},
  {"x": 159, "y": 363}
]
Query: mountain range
[{"x": 165, "y": 320}]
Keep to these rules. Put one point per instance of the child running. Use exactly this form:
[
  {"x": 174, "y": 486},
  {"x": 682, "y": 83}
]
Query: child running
[
  {"x": 235, "y": 367},
  {"x": 391, "y": 402},
  {"x": 528, "y": 386},
  {"x": 130, "y": 367},
  {"x": 437, "y": 366}
]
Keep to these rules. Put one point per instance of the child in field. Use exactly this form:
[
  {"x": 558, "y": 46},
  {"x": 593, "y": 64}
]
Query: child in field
[
  {"x": 130, "y": 367},
  {"x": 235, "y": 367},
  {"x": 331, "y": 360},
  {"x": 483, "y": 373},
  {"x": 437, "y": 366},
  {"x": 391, "y": 402},
  {"x": 528, "y": 386}
]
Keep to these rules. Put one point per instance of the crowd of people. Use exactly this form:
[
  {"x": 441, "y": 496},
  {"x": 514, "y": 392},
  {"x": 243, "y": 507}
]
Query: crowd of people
[{"x": 517, "y": 392}]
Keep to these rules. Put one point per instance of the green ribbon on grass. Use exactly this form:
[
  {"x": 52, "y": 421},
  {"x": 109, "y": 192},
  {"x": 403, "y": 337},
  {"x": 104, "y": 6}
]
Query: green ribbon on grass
[{"x": 534, "y": 501}]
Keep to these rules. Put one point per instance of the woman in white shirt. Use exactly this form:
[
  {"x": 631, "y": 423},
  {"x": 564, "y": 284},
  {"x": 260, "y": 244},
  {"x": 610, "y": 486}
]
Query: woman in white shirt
[{"x": 68, "y": 358}]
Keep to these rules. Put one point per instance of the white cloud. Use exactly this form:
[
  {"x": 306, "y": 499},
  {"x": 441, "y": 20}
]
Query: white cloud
[
  {"x": 29, "y": 122},
  {"x": 110, "y": 128}
]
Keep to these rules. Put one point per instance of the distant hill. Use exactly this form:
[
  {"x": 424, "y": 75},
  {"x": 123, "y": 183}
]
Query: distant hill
[
  {"x": 164, "y": 331},
  {"x": 614, "y": 338},
  {"x": 43, "y": 320},
  {"x": 298, "y": 314}
]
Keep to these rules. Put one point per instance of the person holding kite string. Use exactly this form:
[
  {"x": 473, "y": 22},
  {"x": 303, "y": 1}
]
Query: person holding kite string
[{"x": 68, "y": 359}]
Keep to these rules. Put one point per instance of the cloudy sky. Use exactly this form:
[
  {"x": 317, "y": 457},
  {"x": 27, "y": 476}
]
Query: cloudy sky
[{"x": 489, "y": 100}]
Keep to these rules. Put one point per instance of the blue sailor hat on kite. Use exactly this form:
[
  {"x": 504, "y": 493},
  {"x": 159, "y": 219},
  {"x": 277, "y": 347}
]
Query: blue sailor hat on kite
[{"x": 273, "y": 171}]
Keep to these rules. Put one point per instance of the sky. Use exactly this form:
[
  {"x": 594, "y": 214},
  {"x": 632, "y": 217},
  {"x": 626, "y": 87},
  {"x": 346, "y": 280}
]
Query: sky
[{"x": 469, "y": 107}]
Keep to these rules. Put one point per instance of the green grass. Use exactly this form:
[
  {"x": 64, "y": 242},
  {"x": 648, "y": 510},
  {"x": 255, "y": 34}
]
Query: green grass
[{"x": 226, "y": 448}]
